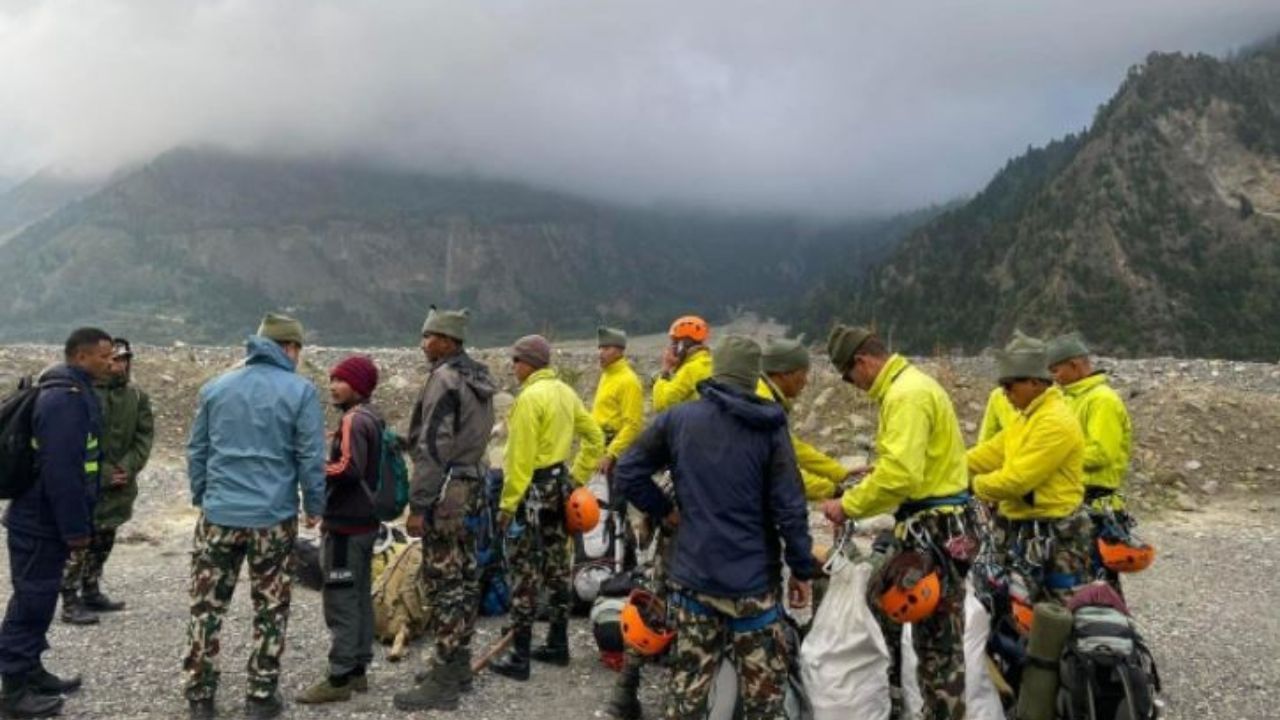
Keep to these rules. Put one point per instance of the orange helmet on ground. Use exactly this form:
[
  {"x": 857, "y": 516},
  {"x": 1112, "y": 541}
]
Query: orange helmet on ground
[
  {"x": 1020, "y": 605},
  {"x": 690, "y": 327},
  {"x": 910, "y": 588},
  {"x": 1125, "y": 556},
  {"x": 643, "y": 623},
  {"x": 581, "y": 511}
]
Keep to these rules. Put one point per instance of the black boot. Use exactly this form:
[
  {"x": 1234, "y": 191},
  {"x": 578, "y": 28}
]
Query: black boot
[
  {"x": 462, "y": 668},
  {"x": 556, "y": 649},
  {"x": 515, "y": 664},
  {"x": 19, "y": 700},
  {"x": 624, "y": 703},
  {"x": 46, "y": 683},
  {"x": 74, "y": 613},
  {"x": 264, "y": 708},
  {"x": 94, "y": 600},
  {"x": 201, "y": 709},
  {"x": 437, "y": 691}
]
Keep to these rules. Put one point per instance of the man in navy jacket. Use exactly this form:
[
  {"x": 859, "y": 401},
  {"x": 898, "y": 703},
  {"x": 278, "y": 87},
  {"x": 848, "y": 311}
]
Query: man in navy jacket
[
  {"x": 52, "y": 516},
  {"x": 740, "y": 509}
]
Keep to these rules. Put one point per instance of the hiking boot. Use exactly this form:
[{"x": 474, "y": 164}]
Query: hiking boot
[
  {"x": 555, "y": 650},
  {"x": 96, "y": 601},
  {"x": 201, "y": 709},
  {"x": 263, "y": 708},
  {"x": 75, "y": 613},
  {"x": 46, "y": 683},
  {"x": 439, "y": 691},
  {"x": 359, "y": 683},
  {"x": 328, "y": 690},
  {"x": 624, "y": 703},
  {"x": 515, "y": 664},
  {"x": 20, "y": 700},
  {"x": 461, "y": 663}
]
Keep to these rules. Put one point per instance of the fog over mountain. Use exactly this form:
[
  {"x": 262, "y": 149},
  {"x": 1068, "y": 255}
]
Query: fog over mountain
[{"x": 832, "y": 107}]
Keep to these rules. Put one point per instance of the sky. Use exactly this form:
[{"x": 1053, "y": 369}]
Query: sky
[{"x": 832, "y": 108}]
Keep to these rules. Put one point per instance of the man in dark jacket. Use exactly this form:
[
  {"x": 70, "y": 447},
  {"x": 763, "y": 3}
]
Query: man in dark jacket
[
  {"x": 50, "y": 518},
  {"x": 350, "y": 531},
  {"x": 738, "y": 503},
  {"x": 449, "y": 433},
  {"x": 127, "y": 432}
]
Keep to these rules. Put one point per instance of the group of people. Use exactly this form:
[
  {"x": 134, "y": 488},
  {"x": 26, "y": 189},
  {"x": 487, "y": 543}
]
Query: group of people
[{"x": 717, "y": 477}]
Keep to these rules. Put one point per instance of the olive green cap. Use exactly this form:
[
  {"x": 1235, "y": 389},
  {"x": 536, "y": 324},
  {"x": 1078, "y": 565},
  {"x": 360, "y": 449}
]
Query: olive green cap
[
  {"x": 450, "y": 323},
  {"x": 843, "y": 342},
  {"x": 784, "y": 355},
  {"x": 610, "y": 337},
  {"x": 1023, "y": 357},
  {"x": 281, "y": 328},
  {"x": 736, "y": 361},
  {"x": 1065, "y": 347}
]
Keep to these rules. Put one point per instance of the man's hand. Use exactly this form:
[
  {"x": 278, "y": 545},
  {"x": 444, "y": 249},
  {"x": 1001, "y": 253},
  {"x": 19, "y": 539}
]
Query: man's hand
[
  {"x": 672, "y": 520},
  {"x": 447, "y": 515},
  {"x": 504, "y": 520},
  {"x": 799, "y": 593},
  {"x": 415, "y": 526},
  {"x": 119, "y": 477},
  {"x": 670, "y": 360},
  {"x": 78, "y": 543},
  {"x": 833, "y": 510},
  {"x": 310, "y": 521},
  {"x": 606, "y": 464}
]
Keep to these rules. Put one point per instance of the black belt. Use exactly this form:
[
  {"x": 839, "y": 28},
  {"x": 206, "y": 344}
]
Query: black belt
[
  {"x": 907, "y": 509},
  {"x": 1097, "y": 493},
  {"x": 551, "y": 472}
]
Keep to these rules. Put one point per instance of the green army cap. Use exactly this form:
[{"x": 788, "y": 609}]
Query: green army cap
[
  {"x": 450, "y": 323},
  {"x": 736, "y": 361},
  {"x": 843, "y": 342},
  {"x": 610, "y": 337},
  {"x": 1065, "y": 347},
  {"x": 784, "y": 355},
  {"x": 1023, "y": 357},
  {"x": 280, "y": 328}
]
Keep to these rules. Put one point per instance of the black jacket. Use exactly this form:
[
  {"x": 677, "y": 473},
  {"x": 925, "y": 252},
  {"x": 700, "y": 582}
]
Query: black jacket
[{"x": 354, "y": 455}]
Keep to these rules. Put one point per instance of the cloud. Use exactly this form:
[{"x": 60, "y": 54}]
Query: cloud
[{"x": 836, "y": 107}]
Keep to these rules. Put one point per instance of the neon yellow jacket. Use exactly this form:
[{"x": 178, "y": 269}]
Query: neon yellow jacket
[
  {"x": 1034, "y": 467},
  {"x": 1108, "y": 435},
  {"x": 820, "y": 472},
  {"x": 919, "y": 448},
  {"x": 683, "y": 385},
  {"x": 618, "y": 407},
  {"x": 544, "y": 420},
  {"x": 1000, "y": 414}
]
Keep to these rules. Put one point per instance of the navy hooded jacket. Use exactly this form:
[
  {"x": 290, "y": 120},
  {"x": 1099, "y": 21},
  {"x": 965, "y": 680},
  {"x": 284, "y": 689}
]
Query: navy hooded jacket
[
  {"x": 67, "y": 424},
  {"x": 737, "y": 488}
]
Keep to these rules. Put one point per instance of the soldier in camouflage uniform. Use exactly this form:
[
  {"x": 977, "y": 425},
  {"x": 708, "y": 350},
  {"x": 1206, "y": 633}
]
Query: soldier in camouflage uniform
[
  {"x": 738, "y": 503},
  {"x": 257, "y": 436},
  {"x": 127, "y": 433},
  {"x": 449, "y": 433}
]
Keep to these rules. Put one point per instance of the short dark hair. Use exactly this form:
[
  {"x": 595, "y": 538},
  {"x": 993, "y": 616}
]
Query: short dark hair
[
  {"x": 81, "y": 338},
  {"x": 872, "y": 347}
]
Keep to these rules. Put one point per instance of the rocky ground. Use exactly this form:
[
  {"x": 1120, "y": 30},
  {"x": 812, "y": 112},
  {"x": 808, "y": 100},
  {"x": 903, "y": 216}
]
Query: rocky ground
[{"x": 1206, "y": 483}]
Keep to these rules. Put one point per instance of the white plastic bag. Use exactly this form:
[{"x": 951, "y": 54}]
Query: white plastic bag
[
  {"x": 982, "y": 702},
  {"x": 844, "y": 662}
]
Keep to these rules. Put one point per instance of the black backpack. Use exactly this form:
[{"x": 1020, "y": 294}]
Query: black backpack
[
  {"x": 17, "y": 455},
  {"x": 1107, "y": 672}
]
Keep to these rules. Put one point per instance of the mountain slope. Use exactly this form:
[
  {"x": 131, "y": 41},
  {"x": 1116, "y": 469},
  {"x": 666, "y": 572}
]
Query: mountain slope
[
  {"x": 36, "y": 197},
  {"x": 1156, "y": 231}
]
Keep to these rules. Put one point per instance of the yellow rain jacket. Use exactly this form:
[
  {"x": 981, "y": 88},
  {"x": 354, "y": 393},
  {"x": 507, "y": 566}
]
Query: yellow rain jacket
[
  {"x": 1034, "y": 467},
  {"x": 919, "y": 449},
  {"x": 618, "y": 407},
  {"x": 1108, "y": 435},
  {"x": 1000, "y": 414},
  {"x": 820, "y": 472},
  {"x": 544, "y": 420},
  {"x": 683, "y": 385}
]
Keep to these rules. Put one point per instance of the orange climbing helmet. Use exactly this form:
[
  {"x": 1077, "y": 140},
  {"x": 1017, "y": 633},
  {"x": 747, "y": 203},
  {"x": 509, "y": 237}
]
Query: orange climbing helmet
[
  {"x": 910, "y": 587},
  {"x": 1125, "y": 555},
  {"x": 690, "y": 327},
  {"x": 581, "y": 511},
  {"x": 1020, "y": 606},
  {"x": 644, "y": 627}
]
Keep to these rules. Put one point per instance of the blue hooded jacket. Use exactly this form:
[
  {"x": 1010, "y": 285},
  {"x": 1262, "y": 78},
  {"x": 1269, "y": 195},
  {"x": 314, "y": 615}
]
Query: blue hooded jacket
[
  {"x": 737, "y": 488},
  {"x": 257, "y": 436},
  {"x": 66, "y": 424}
]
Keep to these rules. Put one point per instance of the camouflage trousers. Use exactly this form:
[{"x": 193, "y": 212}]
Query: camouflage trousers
[
  {"x": 539, "y": 555},
  {"x": 84, "y": 566},
  {"x": 938, "y": 640},
  {"x": 215, "y": 566},
  {"x": 451, "y": 579},
  {"x": 1057, "y": 552},
  {"x": 705, "y": 633}
]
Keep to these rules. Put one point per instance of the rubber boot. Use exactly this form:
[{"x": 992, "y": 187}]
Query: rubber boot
[
  {"x": 93, "y": 599},
  {"x": 624, "y": 703},
  {"x": 555, "y": 650},
  {"x": 438, "y": 691},
  {"x": 46, "y": 683},
  {"x": 19, "y": 700},
  {"x": 75, "y": 613},
  {"x": 515, "y": 664}
]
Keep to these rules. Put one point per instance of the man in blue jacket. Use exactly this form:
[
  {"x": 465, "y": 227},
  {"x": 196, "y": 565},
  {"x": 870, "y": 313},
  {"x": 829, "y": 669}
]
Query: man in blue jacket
[
  {"x": 49, "y": 518},
  {"x": 258, "y": 435},
  {"x": 739, "y": 506}
]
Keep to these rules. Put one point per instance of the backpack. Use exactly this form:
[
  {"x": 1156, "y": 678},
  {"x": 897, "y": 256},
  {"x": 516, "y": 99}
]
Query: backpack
[
  {"x": 398, "y": 597},
  {"x": 391, "y": 496},
  {"x": 495, "y": 593},
  {"x": 17, "y": 449},
  {"x": 1107, "y": 672}
]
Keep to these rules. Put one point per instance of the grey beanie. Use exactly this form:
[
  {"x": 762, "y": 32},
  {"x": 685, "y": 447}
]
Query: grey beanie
[
  {"x": 610, "y": 337},
  {"x": 450, "y": 323},
  {"x": 1023, "y": 357},
  {"x": 736, "y": 361},
  {"x": 533, "y": 350},
  {"x": 784, "y": 355},
  {"x": 1065, "y": 347},
  {"x": 280, "y": 328},
  {"x": 843, "y": 342}
]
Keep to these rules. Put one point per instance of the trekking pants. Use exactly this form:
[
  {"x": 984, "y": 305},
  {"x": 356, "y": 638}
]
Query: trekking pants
[
  {"x": 218, "y": 553},
  {"x": 451, "y": 578},
  {"x": 347, "y": 561},
  {"x": 541, "y": 556},
  {"x": 84, "y": 567}
]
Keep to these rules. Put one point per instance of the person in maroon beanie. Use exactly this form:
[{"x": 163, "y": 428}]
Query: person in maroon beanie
[{"x": 349, "y": 531}]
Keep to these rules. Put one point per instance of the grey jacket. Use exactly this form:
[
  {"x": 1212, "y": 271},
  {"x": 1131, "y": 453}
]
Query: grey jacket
[{"x": 450, "y": 427}]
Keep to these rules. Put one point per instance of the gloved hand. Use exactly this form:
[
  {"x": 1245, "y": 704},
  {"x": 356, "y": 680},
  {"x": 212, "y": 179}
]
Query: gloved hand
[{"x": 451, "y": 507}]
